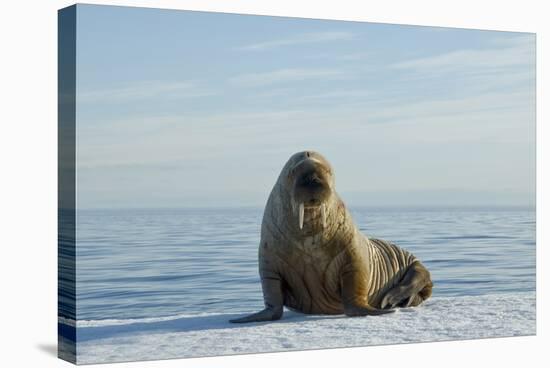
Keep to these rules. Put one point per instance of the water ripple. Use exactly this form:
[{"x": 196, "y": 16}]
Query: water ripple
[{"x": 146, "y": 263}]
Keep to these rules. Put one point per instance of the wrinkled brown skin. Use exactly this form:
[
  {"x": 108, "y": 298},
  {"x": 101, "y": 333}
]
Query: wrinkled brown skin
[{"x": 332, "y": 269}]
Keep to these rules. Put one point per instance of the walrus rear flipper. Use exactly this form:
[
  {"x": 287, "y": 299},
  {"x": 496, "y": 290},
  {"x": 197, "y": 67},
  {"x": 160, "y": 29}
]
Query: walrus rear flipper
[
  {"x": 268, "y": 314},
  {"x": 415, "y": 287}
]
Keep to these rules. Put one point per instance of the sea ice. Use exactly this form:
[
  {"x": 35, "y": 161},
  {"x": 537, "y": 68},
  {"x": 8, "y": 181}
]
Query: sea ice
[{"x": 439, "y": 319}]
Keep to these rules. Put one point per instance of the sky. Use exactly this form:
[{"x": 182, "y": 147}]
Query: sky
[{"x": 197, "y": 109}]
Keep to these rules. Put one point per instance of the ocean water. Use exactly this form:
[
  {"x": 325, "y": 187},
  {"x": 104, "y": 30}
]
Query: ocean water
[{"x": 149, "y": 263}]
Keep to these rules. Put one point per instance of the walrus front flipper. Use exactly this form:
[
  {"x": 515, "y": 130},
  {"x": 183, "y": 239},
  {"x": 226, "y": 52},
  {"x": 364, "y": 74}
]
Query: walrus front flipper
[
  {"x": 364, "y": 310},
  {"x": 354, "y": 295},
  {"x": 268, "y": 314},
  {"x": 273, "y": 298}
]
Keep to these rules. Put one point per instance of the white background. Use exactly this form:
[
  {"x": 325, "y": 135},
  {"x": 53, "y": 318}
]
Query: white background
[{"x": 28, "y": 194}]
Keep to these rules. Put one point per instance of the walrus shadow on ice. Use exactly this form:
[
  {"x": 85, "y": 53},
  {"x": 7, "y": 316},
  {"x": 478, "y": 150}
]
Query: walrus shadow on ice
[{"x": 313, "y": 259}]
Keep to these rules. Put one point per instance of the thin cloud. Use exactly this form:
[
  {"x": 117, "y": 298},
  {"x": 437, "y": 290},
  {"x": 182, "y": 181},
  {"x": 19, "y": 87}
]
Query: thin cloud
[
  {"x": 344, "y": 94},
  {"x": 284, "y": 76},
  {"x": 354, "y": 56},
  {"x": 143, "y": 91},
  {"x": 304, "y": 38},
  {"x": 512, "y": 52}
]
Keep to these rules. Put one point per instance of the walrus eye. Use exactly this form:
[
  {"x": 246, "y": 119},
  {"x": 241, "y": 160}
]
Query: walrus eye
[
  {"x": 292, "y": 173},
  {"x": 290, "y": 176}
]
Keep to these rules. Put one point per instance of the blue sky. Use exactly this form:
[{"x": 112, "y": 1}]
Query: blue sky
[{"x": 191, "y": 109}]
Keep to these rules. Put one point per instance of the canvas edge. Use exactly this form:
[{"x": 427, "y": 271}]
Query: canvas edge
[{"x": 66, "y": 159}]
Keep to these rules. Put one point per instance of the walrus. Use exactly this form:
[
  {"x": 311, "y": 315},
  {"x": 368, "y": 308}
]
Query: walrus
[{"x": 313, "y": 259}]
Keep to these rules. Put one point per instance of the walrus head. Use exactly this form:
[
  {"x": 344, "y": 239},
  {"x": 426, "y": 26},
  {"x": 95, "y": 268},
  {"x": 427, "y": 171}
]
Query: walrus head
[{"x": 310, "y": 184}]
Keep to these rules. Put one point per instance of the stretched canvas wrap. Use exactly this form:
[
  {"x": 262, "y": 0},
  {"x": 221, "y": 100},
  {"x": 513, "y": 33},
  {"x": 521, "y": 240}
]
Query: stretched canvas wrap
[{"x": 234, "y": 184}]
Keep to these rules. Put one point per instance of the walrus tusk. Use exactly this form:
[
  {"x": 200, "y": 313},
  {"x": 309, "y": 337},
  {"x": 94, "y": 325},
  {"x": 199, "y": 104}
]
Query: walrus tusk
[
  {"x": 301, "y": 215},
  {"x": 324, "y": 215}
]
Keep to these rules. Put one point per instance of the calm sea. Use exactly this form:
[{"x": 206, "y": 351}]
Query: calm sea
[{"x": 154, "y": 263}]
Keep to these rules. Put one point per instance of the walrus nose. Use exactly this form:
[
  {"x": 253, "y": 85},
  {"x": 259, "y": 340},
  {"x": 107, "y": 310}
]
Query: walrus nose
[{"x": 311, "y": 179}]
